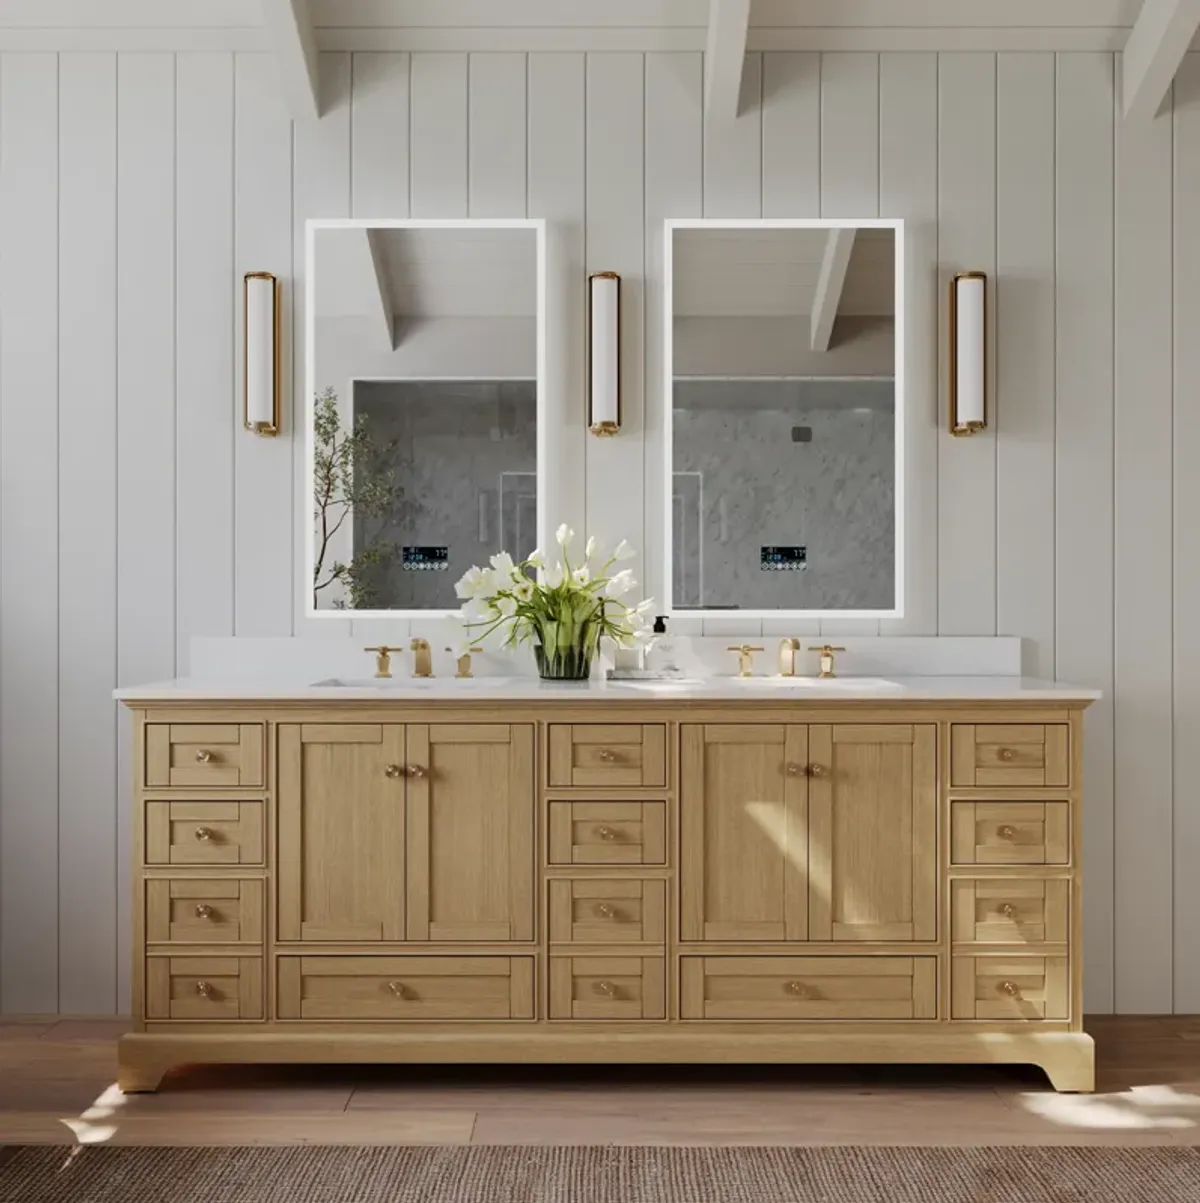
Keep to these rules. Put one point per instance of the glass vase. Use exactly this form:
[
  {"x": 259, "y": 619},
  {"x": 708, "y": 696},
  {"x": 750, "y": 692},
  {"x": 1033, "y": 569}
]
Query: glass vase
[{"x": 565, "y": 659}]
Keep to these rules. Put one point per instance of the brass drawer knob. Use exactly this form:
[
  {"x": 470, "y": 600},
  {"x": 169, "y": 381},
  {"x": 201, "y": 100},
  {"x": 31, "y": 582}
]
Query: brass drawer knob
[
  {"x": 605, "y": 911},
  {"x": 1005, "y": 832},
  {"x": 1010, "y": 988},
  {"x": 607, "y": 989},
  {"x": 795, "y": 770},
  {"x": 606, "y": 833},
  {"x": 416, "y": 770},
  {"x": 203, "y": 756},
  {"x": 399, "y": 989},
  {"x": 393, "y": 770},
  {"x": 1007, "y": 754},
  {"x": 203, "y": 910},
  {"x": 798, "y": 989},
  {"x": 204, "y": 834},
  {"x": 204, "y": 989},
  {"x": 816, "y": 770},
  {"x": 606, "y": 754},
  {"x": 1008, "y": 910}
]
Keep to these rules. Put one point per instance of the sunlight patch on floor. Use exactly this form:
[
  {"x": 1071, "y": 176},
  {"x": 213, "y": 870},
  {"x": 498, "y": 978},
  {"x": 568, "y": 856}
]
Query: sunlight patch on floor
[
  {"x": 93, "y": 1126},
  {"x": 1145, "y": 1108}
]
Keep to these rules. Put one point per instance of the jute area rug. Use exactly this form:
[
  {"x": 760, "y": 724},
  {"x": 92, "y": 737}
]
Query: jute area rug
[{"x": 608, "y": 1174}]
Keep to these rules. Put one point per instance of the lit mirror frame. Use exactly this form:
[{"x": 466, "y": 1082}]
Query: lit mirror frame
[
  {"x": 667, "y": 592},
  {"x": 312, "y": 228}
]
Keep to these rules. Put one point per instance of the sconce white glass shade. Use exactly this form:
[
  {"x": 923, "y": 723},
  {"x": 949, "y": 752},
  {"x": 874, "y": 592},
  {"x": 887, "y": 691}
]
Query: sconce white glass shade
[
  {"x": 968, "y": 383},
  {"x": 261, "y": 300},
  {"x": 604, "y": 353}
]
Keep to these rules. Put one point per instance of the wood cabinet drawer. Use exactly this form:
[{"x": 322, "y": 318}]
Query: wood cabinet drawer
[
  {"x": 1010, "y": 833},
  {"x": 1009, "y": 754},
  {"x": 1009, "y": 987},
  {"x": 484, "y": 987},
  {"x": 608, "y": 988},
  {"x": 204, "y": 833},
  {"x": 808, "y": 988},
  {"x": 608, "y": 833},
  {"x": 190, "y": 910},
  {"x": 997, "y": 910},
  {"x": 608, "y": 754},
  {"x": 597, "y": 911},
  {"x": 187, "y": 755},
  {"x": 204, "y": 987}
]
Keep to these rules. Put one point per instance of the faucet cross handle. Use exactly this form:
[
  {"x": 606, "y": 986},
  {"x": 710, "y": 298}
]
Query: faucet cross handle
[
  {"x": 745, "y": 655},
  {"x": 826, "y": 653},
  {"x": 383, "y": 659},
  {"x": 463, "y": 662}
]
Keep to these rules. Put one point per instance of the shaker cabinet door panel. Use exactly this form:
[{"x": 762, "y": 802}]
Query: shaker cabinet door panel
[
  {"x": 470, "y": 832},
  {"x": 743, "y": 821},
  {"x": 341, "y": 832},
  {"x": 872, "y": 856}
]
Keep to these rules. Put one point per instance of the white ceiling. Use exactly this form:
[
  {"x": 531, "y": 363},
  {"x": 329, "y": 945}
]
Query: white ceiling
[{"x": 774, "y": 273}]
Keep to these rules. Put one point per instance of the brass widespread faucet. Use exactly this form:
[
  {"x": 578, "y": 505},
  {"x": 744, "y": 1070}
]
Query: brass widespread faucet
[
  {"x": 422, "y": 659},
  {"x": 463, "y": 670},
  {"x": 787, "y": 657},
  {"x": 383, "y": 659},
  {"x": 745, "y": 654}
]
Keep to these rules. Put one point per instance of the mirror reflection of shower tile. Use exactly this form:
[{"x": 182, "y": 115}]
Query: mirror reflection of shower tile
[
  {"x": 687, "y": 542},
  {"x": 518, "y": 514}
]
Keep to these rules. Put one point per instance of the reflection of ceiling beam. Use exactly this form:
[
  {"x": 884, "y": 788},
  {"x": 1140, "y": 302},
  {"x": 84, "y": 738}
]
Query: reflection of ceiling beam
[
  {"x": 290, "y": 32},
  {"x": 834, "y": 263},
  {"x": 382, "y": 310},
  {"x": 728, "y": 22},
  {"x": 1156, "y": 46}
]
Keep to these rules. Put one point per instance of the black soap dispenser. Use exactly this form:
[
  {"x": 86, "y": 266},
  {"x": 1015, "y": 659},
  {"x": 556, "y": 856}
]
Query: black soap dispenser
[{"x": 661, "y": 660}]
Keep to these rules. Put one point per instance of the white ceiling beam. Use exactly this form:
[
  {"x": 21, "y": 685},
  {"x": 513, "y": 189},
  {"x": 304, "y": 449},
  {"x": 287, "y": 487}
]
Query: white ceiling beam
[
  {"x": 725, "y": 53},
  {"x": 834, "y": 263},
  {"x": 1157, "y": 43},
  {"x": 293, "y": 41},
  {"x": 382, "y": 306}
]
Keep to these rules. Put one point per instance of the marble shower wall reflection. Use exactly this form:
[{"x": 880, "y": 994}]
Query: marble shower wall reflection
[{"x": 768, "y": 462}]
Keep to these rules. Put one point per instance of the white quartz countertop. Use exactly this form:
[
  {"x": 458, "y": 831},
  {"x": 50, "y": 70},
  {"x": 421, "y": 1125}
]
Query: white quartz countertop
[{"x": 531, "y": 689}]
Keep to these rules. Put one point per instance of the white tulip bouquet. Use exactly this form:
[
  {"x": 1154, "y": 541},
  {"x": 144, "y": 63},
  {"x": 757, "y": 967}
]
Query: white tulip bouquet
[{"x": 564, "y": 613}]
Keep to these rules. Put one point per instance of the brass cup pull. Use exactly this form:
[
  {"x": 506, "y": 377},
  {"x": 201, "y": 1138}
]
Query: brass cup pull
[
  {"x": 398, "y": 989},
  {"x": 607, "y": 989},
  {"x": 605, "y": 911},
  {"x": 203, "y": 756},
  {"x": 606, "y": 755},
  {"x": 799, "y": 989},
  {"x": 816, "y": 770},
  {"x": 1006, "y": 754},
  {"x": 606, "y": 833},
  {"x": 204, "y": 834},
  {"x": 795, "y": 770},
  {"x": 393, "y": 770},
  {"x": 1005, "y": 832},
  {"x": 1010, "y": 988},
  {"x": 1008, "y": 910},
  {"x": 203, "y": 910},
  {"x": 416, "y": 770},
  {"x": 204, "y": 989}
]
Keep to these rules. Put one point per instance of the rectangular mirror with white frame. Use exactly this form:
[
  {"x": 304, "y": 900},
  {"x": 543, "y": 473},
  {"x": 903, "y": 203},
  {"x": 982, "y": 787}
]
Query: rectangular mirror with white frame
[
  {"x": 425, "y": 417},
  {"x": 784, "y": 365}
]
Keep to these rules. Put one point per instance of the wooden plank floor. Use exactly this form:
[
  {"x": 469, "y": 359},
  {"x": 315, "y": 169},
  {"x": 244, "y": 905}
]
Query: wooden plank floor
[{"x": 56, "y": 1085}]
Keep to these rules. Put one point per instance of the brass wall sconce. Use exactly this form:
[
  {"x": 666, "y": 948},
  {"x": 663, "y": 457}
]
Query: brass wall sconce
[
  {"x": 604, "y": 353},
  {"x": 968, "y": 353},
  {"x": 261, "y": 352}
]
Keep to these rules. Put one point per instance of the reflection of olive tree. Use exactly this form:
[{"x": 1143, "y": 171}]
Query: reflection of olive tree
[{"x": 352, "y": 478}]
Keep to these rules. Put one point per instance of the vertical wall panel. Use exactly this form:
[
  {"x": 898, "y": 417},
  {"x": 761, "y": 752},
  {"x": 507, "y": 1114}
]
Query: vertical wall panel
[
  {"x": 321, "y": 188},
  {"x": 733, "y": 152},
  {"x": 1186, "y": 431},
  {"x": 206, "y": 421},
  {"x": 496, "y": 174},
  {"x": 266, "y": 574},
  {"x": 29, "y": 518},
  {"x": 967, "y": 241},
  {"x": 438, "y": 169},
  {"x": 908, "y": 156},
  {"x": 791, "y": 135},
  {"x": 145, "y": 407},
  {"x": 556, "y": 193},
  {"x": 1024, "y": 295},
  {"x": 87, "y": 546},
  {"x": 379, "y": 135},
  {"x": 674, "y": 188},
  {"x": 615, "y": 242},
  {"x": 1143, "y": 663},
  {"x": 1083, "y": 641}
]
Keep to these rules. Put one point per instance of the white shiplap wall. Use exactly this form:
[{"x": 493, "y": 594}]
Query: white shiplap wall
[{"x": 136, "y": 188}]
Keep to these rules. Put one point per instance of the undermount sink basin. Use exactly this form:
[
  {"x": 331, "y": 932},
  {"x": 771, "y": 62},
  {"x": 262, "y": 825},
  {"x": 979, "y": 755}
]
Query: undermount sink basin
[
  {"x": 815, "y": 683},
  {"x": 412, "y": 683}
]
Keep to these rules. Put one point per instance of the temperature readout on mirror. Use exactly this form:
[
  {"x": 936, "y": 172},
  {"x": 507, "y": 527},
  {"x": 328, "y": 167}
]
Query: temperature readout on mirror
[
  {"x": 783, "y": 559},
  {"x": 426, "y": 559}
]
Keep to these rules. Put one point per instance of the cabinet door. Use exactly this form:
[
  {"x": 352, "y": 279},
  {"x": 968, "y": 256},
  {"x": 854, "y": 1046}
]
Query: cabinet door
[
  {"x": 341, "y": 831},
  {"x": 470, "y": 832},
  {"x": 743, "y": 819},
  {"x": 872, "y": 857}
]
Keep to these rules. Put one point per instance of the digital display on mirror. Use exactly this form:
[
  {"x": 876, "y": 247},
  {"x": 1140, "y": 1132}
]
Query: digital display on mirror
[
  {"x": 426, "y": 559},
  {"x": 783, "y": 559}
]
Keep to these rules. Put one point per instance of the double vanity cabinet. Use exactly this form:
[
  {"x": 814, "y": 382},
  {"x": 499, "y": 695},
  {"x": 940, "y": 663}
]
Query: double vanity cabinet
[{"x": 607, "y": 874}]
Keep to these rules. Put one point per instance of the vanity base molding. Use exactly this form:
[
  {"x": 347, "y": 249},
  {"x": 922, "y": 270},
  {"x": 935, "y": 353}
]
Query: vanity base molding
[{"x": 1066, "y": 1057}]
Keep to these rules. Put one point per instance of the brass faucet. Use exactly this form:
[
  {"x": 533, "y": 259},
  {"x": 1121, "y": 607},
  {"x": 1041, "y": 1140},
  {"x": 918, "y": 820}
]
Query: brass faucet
[
  {"x": 422, "y": 660},
  {"x": 745, "y": 655},
  {"x": 464, "y": 662},
  {"x": 383, "y": 659},
  {"x": 826, "y": 654},
  {"x": 787, "y": 657}
]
